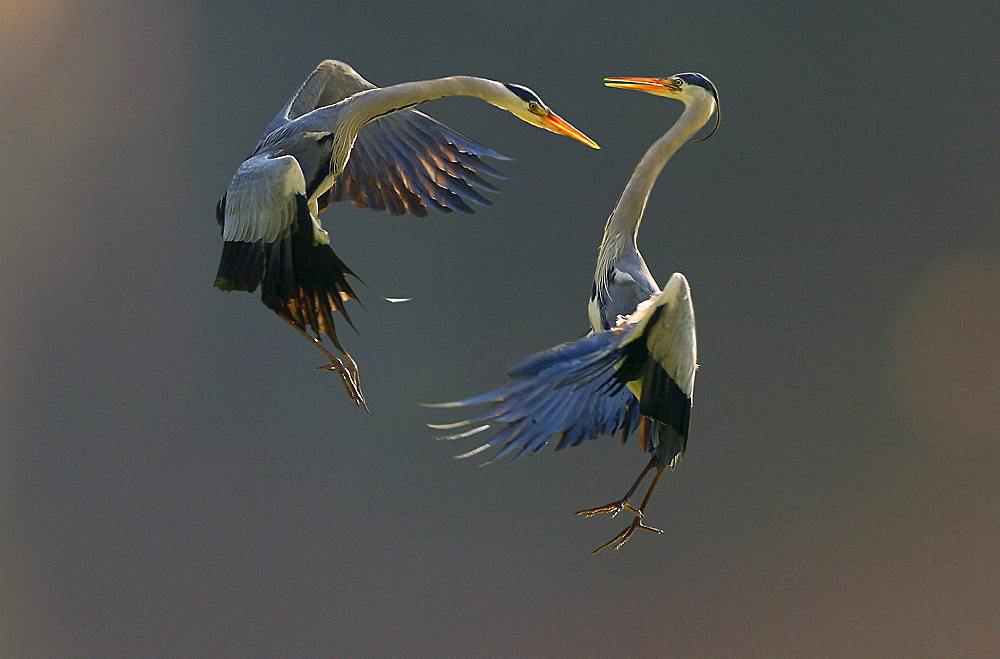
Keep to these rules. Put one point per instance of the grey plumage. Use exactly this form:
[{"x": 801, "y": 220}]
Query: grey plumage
[
  {"x": 636, "y": 367},
  {"x": 341, "y": 138}
]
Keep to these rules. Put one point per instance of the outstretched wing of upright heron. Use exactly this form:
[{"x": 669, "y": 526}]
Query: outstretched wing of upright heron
[
  {"x": 600, "y": 384},
  {"x": 555, "y": 392},
  {"x": 638, "y": 366}
]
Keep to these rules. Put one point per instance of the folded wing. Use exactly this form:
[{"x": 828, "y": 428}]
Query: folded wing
[
  {"x": 261, "y": 207},
  {"x": 272, "y": 240},
  {"x": 658, "y": 363}
]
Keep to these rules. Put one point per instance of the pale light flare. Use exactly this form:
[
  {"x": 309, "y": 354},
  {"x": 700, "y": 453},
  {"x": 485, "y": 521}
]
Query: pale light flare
[
  {"x": 29, "y": 32},
  {"x": 945, "y": 354},
  {"x": 64, "y": 67},
  {"x": 28, "y": 29}
]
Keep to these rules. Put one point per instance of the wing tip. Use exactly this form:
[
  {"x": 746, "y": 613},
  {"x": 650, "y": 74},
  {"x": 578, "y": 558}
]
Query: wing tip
[
  {"x": 447, "y": 426},
  {"x": 442, "y": 406},
  {"x": 463, "y": 435},
  {"x": 475, "y": 451}
]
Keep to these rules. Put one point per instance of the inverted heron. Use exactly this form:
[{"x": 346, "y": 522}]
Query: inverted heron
[
  {"x": 636, "y": 366},
  {"x": 342, "y": 138}
]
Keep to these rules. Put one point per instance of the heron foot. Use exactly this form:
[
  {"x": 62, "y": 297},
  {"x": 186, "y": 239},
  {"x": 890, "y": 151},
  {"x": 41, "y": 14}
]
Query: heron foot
[
  {"x": 623, "y": 537},
  {"x": 350, "y": 377},
  {"x": 614, "y": 508}
]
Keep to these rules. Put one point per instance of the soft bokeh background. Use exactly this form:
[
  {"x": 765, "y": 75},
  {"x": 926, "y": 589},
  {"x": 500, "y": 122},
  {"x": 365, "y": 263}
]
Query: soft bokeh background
[{"x": 176, "y": 479}]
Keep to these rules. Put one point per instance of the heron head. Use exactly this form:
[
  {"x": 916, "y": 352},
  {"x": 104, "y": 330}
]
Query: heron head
[
  {"x": 526, "y": 105},
  {"x": 689, "y": 88}
]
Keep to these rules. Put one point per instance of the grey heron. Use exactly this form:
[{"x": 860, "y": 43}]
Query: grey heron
[
  {"x": 636, "y": 366},
  {"x": 342, "y": 138}
]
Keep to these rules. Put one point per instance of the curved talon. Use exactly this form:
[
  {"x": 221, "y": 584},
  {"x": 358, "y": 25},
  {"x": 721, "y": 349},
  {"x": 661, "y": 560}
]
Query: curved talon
[
  {"x": 350, "y": 379},
  {"x": 623, "y": 504},
  {"x": 614, "y": 508},
  {"x": 623, "y": 537},
  {"x": 349, "y": 373}
]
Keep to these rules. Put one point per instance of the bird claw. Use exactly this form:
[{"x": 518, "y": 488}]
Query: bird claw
[
  {"x": 623, "y": 537},
  {"x": 614, "y": 508},
  {"x": 623, "y": 504},
  {"x": 350, "y": 381}
]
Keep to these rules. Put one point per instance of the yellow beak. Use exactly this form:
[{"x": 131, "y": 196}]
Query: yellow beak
[
  {"x": 651, "y": 85},
  {"x": 557, "y": 124}
]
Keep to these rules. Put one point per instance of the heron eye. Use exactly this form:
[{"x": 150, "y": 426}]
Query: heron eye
[
  {"x": 534, "y": 107},
  {"x": 678, "y": 82}
]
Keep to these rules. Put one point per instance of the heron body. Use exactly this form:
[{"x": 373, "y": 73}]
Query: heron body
[
  {"x": 636, "y": 367},
  {"x": 342, "y": 138}
]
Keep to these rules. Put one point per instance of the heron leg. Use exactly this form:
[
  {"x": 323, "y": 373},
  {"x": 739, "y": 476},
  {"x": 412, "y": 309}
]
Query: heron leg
[
  {"x": 348, "y": 373},
  {"x": 352, "y": 370},
  {"x": 623, "y": 537},
  {"x": 616, "y": 507}
]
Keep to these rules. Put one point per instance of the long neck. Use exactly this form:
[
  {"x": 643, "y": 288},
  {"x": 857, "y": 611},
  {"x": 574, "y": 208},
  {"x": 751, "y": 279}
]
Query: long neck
[
  {"x": 369, "y": 105},
  {"x": 623, "y": 226}
]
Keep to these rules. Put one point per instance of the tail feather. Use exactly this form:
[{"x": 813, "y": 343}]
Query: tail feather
[
  {"x": 669, "y": 445},
  {"x": 306, "y": 283},
  {"x": 302, "y": 281}
]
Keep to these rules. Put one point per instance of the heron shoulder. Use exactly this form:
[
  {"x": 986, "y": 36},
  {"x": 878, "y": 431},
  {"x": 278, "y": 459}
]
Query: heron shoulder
[
  {"x": 664, "y": 326},
  {"x": 260, "y": 201}
]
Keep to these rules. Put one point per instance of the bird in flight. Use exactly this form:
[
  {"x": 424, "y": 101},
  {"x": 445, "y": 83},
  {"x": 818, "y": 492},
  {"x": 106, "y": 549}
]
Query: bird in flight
[
  {"x": 636, "y": 367},
  {"x": 341, "y": 138}
]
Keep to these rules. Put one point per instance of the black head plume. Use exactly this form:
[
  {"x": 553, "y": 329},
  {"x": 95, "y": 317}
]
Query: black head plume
[{"x": 701, "y": 81}]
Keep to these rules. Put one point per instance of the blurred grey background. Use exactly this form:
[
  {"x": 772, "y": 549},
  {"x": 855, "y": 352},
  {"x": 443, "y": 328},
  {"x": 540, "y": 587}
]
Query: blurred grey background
[{"x": 176, "y": 479}]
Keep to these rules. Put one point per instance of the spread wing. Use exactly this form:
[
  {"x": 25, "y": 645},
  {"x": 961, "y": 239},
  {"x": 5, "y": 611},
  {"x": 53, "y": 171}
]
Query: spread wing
[
  {"x": 561, "y": 391},
  {"x": 590, "y": 387},
  {"x": 329, "y": 83},
  {"x": 407, "y": 162}
]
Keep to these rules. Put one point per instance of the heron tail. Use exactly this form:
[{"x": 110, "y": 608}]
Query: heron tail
[
  {"x": 301, "y": 280},
  {"x": 305, "y": 282},
  {"x": 669, "y": 444}
]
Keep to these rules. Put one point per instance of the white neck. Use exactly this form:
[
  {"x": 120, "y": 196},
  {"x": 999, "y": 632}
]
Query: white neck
[
  {"x": 363, "y": 107},
  {"x": 622, "y": 227}
]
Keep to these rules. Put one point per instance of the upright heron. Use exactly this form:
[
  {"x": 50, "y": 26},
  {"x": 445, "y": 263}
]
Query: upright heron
[
  {"x": 636, "y": 366},
  {"x": 342, "y": 138}
]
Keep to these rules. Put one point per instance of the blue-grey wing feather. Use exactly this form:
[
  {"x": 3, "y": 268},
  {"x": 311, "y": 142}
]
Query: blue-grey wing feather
[
  {"x": 415, "y": 163},
  {"x": 422, "y": 174},
  {"x": 405, "y": 162},
  {"x": 329, "y": 83},
  {"x": 560, "y": 391}
]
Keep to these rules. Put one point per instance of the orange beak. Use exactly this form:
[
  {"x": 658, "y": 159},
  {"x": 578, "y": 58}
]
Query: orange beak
[
  {"x": 652, "y": 85},
  {"x": 557, "y": 124}
]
